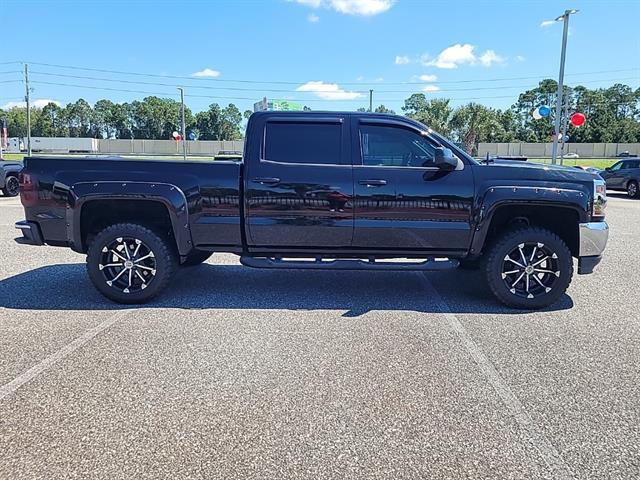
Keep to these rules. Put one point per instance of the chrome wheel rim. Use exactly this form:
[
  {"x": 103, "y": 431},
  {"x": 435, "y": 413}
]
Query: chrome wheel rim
[
  {"x": 632, "y": 189},
  {"x": 530, "y": 270},
  {"x": 128, "y": 264},
  {"x": 13, "y": 185}
]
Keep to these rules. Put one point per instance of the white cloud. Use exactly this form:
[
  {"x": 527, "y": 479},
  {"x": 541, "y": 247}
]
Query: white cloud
[
  {"x": 461, "y": 54},
  {"x": 206, "y": 73},
  {"x": 313, "y": 18},
  {"x": 327, "y": 91},
  {"x": 39, "y": 103},
  {"x": 520, "y": 58},
  {"x": 453, "y": 56},
  {"x": 360, "y": 78},
  {"x": 431, "y": 88},
  {"x": 547, "y": 23},
  {"x": 364, "y": 8},
  {"x": 490, "y": 57},
  {"x": 379, "y": 79},
  {"x": 402, "y": 60},
  {"x": 428, "y": 78}
]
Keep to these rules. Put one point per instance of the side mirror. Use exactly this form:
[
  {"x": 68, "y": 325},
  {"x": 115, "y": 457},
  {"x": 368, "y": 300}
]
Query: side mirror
[{"x": 445, "y": 159}]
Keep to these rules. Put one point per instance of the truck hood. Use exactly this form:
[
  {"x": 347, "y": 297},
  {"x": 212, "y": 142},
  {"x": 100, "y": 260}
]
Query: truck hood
[{"x": 517, "y": 170}]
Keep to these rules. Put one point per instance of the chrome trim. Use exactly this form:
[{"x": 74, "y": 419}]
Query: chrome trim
[
  {"x": 22, "y": 226},
  {"x": 593, "y": 238}
]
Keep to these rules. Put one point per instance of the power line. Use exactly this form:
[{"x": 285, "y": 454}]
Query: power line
[
  {"x": 207, "y": 87},
  {"x": 137, "y": 82},
  {"x": 182, "y": 77},
  {"x": 172, "y": 94}
]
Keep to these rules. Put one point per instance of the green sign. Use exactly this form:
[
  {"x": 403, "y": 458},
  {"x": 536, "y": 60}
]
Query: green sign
[{"x": 284, "y": 105}]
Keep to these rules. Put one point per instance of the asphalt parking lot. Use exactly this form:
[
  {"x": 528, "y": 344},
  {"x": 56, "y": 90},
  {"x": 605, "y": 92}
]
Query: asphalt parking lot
[{"x": 240, "y": 373}]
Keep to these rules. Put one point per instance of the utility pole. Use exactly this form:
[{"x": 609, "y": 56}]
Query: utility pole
[
  {"x": 565, "y": 32},
  {"x": 564, "y": 128},
  {"x": 184, "y": 132},
  {"x": 27, "y": 99},
  {"x": 371, "y": 100}
]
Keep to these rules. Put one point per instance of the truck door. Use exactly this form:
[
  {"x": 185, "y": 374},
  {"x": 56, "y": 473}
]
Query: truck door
[
  {"x": 402, "y": 200},
  {"x": 299, "y": 184}
]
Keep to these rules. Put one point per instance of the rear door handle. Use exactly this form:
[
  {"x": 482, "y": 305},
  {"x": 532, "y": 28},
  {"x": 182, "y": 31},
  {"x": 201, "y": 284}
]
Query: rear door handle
[
  {"x": 266, "y": 180},
  {"x": 373, "y": 183}
]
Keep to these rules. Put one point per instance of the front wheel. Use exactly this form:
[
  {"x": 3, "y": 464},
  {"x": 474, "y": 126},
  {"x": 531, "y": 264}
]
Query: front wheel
[
  {"x": 529, "y": 268},
  {"x": 129, "y": 263},
  {"x": 11, "y": 186},
  {"x": 632, "y": 189}
]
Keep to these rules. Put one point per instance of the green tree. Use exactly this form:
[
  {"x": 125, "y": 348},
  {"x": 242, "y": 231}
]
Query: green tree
[
  {"x": 474, "y": 123},
  {"x": 383, "y": 109},
  {"x": 435, "y": 113}
]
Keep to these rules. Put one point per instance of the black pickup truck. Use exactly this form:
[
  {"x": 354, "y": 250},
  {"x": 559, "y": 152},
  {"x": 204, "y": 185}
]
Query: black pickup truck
[{"x": 322, "y": 190}]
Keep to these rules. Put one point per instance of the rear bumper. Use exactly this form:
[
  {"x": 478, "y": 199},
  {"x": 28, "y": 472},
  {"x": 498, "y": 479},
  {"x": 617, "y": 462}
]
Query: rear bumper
[
  {"x": 593, "y": 240},
  {"x": 31, "y": 234}
]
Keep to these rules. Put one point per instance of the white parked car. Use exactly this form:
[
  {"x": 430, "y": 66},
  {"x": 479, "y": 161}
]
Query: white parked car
[{"x": 571, "y": 155}]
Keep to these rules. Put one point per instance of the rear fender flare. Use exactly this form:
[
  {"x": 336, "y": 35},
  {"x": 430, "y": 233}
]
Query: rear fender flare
[
  {"x": 495, "y": 197},
  {"x": 169, "y": 195}
]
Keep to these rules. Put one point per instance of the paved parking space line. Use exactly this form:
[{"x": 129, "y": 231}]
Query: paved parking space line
[
  {"x": 8, "y": 388},
  {"x": 529, "y": 429}
]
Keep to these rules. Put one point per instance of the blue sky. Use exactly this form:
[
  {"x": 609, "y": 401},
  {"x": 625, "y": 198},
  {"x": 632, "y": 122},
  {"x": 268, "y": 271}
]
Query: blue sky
[{"x": 327, "y": 54}]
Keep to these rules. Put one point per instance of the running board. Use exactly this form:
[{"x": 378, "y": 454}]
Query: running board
[{"x": 350, "y": 264}]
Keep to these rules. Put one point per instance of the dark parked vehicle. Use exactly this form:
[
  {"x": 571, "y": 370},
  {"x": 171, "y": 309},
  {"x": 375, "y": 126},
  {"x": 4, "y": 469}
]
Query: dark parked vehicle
[
  {"x": 625, "y": 154},
  {"x": 9, "y": 183},
  {"x": 228, "y": 155},
  {"x": 322, "y": 190},
  {"x": 624, "y": 175}
]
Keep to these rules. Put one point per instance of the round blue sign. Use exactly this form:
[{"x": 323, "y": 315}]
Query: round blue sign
[
  {"x": 544, "y": 110},
  {"x": 191, "y": 135}
]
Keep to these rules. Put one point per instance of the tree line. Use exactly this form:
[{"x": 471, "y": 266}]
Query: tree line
[
  {"x": 151, "y": 118},
  {"x": 613, "y": 115}
]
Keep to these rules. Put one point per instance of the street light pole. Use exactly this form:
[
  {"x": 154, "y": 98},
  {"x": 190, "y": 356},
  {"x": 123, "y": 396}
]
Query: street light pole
[
  {"x": 184, "y": 133},
  {"x": 27, "y": 99},
  {"x": 565, "y": 33}
]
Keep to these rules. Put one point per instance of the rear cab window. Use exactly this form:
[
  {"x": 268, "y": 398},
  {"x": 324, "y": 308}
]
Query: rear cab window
[{"x": 303, "y": 142}]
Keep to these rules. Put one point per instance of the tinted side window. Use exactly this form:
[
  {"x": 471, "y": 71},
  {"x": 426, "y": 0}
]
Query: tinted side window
[
  {"x": 394, "y": 147},
  {"x": 616, "y": 166},
  {"x": 304, "y": 142},
  {"x": 633, "y": 164}
]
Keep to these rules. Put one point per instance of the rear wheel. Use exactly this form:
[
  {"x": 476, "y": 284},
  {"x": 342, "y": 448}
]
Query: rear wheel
[
  {"x": 632, "y": 189},
  {"x": 11, "y": 186},
  {"x": 529, "y": 268},
  {"x": 129, "y": 263},
  {"x": 196, "y": 258}
]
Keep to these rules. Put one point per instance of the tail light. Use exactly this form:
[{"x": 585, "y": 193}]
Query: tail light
[{"x": 28, "y": 191}]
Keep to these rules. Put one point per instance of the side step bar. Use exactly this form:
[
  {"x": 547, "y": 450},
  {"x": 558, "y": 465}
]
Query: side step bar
[{"x": 348, "y": 264}]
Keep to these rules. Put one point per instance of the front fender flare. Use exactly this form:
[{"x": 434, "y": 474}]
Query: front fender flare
[
  {"x": 169, "y": 195},
  {"x": 495, "y": 197}
]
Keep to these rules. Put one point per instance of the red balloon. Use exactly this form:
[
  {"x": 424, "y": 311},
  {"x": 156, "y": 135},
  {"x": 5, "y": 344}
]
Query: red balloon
[{"x": 578, "y": 119}]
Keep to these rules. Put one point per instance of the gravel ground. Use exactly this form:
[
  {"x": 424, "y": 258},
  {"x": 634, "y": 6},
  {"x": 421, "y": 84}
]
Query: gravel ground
[{"x": 240, "y": 373}]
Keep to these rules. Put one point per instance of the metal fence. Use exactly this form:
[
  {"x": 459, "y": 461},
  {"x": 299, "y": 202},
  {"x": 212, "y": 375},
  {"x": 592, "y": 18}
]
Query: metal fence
[{"x": 542, "y": 150}]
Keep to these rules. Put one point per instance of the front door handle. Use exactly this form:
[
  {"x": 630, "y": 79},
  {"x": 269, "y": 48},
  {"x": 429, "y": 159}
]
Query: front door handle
[
  {"x": 373, "y": 183},
  {"x": 266, "y": 180}
]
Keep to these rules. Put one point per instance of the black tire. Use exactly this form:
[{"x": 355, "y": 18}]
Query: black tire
[
  {"x": 196, "y": 258},
  {"x": 632, "y": 189},
  {"x": 11, "y": 186},
  {"x": 146, "y": 277},
  {"x": 543, "y": 251}
]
